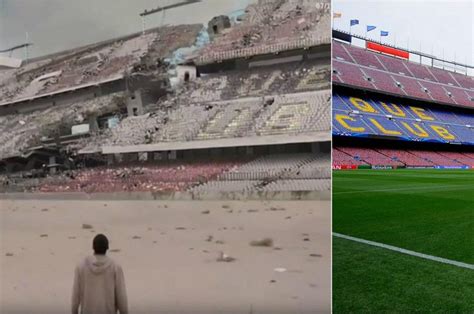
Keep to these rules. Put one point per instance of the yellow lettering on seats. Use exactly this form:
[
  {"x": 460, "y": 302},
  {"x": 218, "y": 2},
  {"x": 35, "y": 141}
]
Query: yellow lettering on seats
[
  {"x": 382, "y": 129},
  {"x": 362, "y": 105},
  {"x": 394, "y": 109},
  {"x": 421, "y": 132},
  {"x": 342, "y": 120},
  {"x": 420, "y": 112},
  {"x": 444, "y": 133}
]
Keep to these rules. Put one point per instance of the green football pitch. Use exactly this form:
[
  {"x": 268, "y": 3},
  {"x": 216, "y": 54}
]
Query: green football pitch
[{"x": 426, "y": 211}]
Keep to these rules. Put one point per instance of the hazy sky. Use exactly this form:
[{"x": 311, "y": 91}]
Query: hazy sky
[
  {"x": 435, "y": 24},
  {"x": 55, "y": 25}
]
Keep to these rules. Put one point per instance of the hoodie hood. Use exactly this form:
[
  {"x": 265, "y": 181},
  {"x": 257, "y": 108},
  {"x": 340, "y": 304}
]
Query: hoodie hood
[{"x": 98, "y": 263}]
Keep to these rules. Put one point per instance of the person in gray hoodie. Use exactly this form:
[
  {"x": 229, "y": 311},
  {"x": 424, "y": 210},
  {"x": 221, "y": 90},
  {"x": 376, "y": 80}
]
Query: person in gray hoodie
[{"x": 99, "y": 284}]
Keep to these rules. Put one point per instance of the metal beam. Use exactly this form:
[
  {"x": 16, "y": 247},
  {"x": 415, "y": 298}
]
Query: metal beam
[
  {"x": 17, "y": 47},
  {"x": 171, "y": 6}
]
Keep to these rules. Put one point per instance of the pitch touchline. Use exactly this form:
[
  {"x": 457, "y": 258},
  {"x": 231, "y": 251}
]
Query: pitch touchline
[
  {"x": 408, "y": 252},
  {"x": 408, "y": 188}
]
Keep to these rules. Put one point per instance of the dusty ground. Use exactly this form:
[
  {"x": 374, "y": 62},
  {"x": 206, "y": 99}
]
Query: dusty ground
[{"x": 169, "y": 265}]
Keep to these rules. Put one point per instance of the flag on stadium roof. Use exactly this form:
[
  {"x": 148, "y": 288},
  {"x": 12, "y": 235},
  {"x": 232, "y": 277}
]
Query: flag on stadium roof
[
  {"x": 371, "y": 27},
  {"x": 354, "y": 22},
  {"x": 336, "y": 15},
  {"x": 383, "y": 33}
]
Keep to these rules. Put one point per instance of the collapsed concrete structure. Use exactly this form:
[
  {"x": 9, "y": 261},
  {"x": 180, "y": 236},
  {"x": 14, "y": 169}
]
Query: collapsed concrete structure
[{"x": 264, "y": 80}]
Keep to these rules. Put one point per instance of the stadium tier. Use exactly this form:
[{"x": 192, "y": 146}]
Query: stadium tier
[
  {"x": 361, "y": 68},
  {"x": 129, "y": 114},
  {"x": 270, "y": 26},
  {"x": 288, "y": 114},
  {"x": 311, "y": 75},
  {"x": 378, "y": 116},
  {"x": 19, "y": 131},
  {"x": 275, "y": 172},
  {"x": 355, "y": 156},
  {"x": 94, "y": 64}
]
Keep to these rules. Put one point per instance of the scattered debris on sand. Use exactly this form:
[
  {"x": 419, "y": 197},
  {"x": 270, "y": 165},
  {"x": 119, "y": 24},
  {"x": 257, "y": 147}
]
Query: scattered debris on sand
[
  {"x": 209, "y": 238},
  {"x": 267, "y": 242},
  {"x": 225, "y": 258},
  {"x": 220, "y": 242},
  {"x": 277, "y": 208}
]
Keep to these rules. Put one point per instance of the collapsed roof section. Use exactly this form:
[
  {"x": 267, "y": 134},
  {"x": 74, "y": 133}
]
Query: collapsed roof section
[
  {"x": 269, "y": 27},
  {"x": 22, "y": 131},
  {"x": 94, "y": 64}
]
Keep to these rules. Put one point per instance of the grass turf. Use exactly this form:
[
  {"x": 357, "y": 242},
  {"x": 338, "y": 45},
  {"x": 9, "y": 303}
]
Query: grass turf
[
  {"x": 427, "y": 211},
  {"x": 367, "y": 279}
]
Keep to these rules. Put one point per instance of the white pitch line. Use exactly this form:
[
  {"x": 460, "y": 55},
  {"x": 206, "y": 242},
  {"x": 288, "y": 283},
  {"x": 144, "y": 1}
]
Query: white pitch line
[
  {"x": 409, "y": 188},
  {"x": 408, "y": 252}
]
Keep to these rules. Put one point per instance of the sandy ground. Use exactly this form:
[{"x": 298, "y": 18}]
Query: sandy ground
[{"x": 169, "y": 269}]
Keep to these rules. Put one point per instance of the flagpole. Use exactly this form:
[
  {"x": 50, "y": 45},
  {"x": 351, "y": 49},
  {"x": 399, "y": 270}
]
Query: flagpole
[
  {"x": 420, "y": 52},
  {"x": 432, "y": 54},
  {"x": 443, "y": 58},
  {"x": 454, "y": 61}
]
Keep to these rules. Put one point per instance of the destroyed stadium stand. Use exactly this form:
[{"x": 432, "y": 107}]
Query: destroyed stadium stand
[{"x": 278, "y": 172}]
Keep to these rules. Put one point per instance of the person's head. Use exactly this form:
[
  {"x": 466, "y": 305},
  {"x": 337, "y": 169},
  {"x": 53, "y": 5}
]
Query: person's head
[{"x": 100, "y": 244}]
